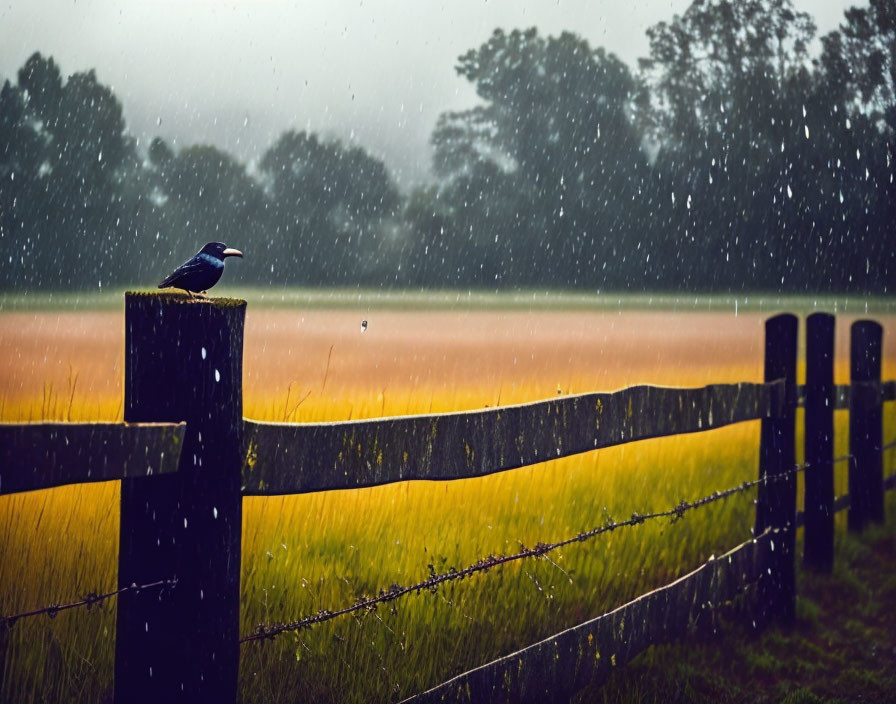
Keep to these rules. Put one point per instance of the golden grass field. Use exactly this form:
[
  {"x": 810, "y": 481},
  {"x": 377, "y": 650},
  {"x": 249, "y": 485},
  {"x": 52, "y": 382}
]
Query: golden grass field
[{"x": 304, "y": 553}]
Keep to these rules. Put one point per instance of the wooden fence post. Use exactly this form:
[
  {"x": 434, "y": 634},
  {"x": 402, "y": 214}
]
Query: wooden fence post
[
  {"x": 776, "y": 503},
  {"x": 818, "y": 546},
  {"x": 866, "y": 472},
  {"x": 183, "y": 362}
]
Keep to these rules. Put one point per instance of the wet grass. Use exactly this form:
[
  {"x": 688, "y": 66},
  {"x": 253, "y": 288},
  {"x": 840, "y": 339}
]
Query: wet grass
[
  {"x": 304, "y": 553},
  {"x": 842, "y": 647}
]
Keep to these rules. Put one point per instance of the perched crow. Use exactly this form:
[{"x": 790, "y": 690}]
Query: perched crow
[{"x": 200, "y": 273}]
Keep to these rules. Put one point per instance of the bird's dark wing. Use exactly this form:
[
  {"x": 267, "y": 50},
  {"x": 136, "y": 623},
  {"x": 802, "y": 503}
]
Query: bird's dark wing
[{"x": 190, "y": 266}]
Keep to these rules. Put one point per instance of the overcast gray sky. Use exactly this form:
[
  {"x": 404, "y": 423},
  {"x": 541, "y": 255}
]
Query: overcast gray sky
[{"x": 237, "y": 73}]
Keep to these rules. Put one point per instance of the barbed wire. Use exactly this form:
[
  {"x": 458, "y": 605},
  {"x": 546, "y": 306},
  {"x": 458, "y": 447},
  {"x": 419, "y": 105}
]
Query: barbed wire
[
  {"x": 435, "y": 580},
  {"x": 91, "y": 601}
]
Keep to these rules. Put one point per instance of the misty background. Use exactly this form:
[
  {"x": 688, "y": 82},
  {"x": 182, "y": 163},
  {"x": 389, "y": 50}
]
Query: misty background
[{"x": 731, "y": 146}]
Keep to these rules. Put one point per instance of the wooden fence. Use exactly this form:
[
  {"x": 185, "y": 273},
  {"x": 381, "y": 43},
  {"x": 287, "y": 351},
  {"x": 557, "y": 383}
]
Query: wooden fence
[{"x": 186, "y": 456}]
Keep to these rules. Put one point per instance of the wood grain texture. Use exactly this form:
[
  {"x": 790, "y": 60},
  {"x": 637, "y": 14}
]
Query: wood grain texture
[
  {"x": 866, "y": 473},
  {"x": 776, "y": 499},
  {"x": 818, "y": 443},
  {"x": 286, "y": 458},
  {"x": 45, "y": 455},
  {"x": 183, "y": 362},
  {"x": 556, "y": 668}
]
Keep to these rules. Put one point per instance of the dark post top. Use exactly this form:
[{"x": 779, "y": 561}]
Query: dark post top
[{"x": 183, "y": 362}]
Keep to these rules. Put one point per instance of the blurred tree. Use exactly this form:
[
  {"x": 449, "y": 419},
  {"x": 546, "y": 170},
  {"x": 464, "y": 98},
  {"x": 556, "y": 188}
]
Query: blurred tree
[
  {"x": 201, "y": 194},
  {"x": 854, "y": 91},
  {"x": 724, "y": 102},
  {"x": 20, "y": 157},
  {"x": 859, "y": 62},
  {"x": 71, "y": 220},
  {"x": 426, "y": 255},
  {"x": 42, "y": 80},
  {"x": 540, "y": 179},
  {"x": 160, "y": 154},
  {"x": 330, "y": 207}
]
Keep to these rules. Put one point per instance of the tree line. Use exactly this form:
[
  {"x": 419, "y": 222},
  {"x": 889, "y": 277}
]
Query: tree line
[{"x": 730, "y": 160}]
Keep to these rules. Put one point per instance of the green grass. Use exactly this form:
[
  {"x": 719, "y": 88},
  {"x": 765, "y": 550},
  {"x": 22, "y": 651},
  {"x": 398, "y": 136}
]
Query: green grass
[
  {"x": 304, "y": 553},
  {"x": 324, "y": 550},
  {"x": 842, "y": 647}
]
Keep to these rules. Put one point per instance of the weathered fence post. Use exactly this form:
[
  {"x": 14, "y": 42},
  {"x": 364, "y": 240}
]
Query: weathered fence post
[
  {"x": 818, "y": 547},
  {"x": 183, "y": 362},
  {"x": 776, "y": 504},
  {"x": 866, "y": 471}
]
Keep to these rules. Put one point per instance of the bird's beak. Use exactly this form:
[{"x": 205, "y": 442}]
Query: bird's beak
[{"x": 232, "y": 252}]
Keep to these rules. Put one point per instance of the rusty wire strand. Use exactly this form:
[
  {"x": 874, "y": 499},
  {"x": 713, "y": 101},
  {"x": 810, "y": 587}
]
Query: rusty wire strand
[
  {"x": 265, "y": 631},
  {"x": 90, "y": 600},
  {"x": 435, "y": 580}
]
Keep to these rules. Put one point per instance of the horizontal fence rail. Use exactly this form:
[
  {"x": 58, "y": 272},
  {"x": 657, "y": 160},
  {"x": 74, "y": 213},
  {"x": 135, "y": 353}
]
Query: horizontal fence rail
[
  {"x": 556, "y": 668},
  {"x": 45, "y": 455},
  {"x": 284, "y": 458}
]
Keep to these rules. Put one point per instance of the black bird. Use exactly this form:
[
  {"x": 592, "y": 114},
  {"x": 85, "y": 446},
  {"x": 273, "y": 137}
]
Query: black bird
[{"x": 200, "y": 273}]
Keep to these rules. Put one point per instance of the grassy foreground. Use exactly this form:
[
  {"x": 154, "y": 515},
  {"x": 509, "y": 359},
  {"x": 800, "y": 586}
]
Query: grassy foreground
[
  {"x": 842, "y": 647},
  {"x": 304, "y": 553}
]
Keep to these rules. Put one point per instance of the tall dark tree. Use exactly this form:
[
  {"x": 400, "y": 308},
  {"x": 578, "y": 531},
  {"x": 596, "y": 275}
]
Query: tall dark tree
[
  {"x": 860, "y": 62},
  {"x": 330, "y": 207},
  {"x": 724, "y": 102},
  {"x": 69, "y": 227},
  {"x": 201, "y": 194},
  {"x": 543, "y": 175},
  {"x": 21, "y": 150},
  {"x": 855, "y": 91}
]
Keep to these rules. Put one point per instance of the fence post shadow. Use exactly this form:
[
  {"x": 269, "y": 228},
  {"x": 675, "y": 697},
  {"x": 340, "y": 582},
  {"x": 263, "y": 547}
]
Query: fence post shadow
[
  {"x": 776, "y": 500},
  {"x": 183, "y": 362}
]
